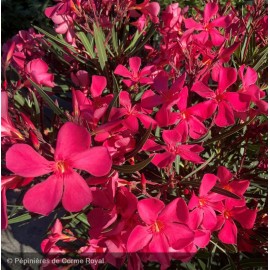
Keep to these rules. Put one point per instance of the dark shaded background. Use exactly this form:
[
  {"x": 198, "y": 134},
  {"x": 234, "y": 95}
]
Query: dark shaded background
[{"x": 20, "y": 14}]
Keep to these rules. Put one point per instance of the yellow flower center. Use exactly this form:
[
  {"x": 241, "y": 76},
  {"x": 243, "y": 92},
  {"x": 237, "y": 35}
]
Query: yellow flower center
[
  {"x": 202, "y": 202},
  {"x": 61, "y": 166},
  {"x": 157, "y": 226},
  {"x": 227, "y": 214}
]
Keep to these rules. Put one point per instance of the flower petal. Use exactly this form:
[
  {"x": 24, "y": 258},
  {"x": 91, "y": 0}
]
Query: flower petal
[
  {"x": 122, "y": 71},
  {"x": 24, "y": 161},
  {"x": 4, "y": 217},
  {"x": 179, "y": 235},
  {"x": 239, "y": 102},
  {"x": 149, "y": 209},
  {"x": 71, "y": 139},
  {"x": 225, "y": 116},
  {"x": 246, "y": 217},
  {"x": 159, "y": 248},
  {"x": 77, "y": 193},
  {"x": 224, "y": 175},
  {"x": 196, "y": 128},
  {"x": 138, "y": 239},
  {"x": 44, "y": 197},
  {"x": 190, "y": 153},
  {"x": 202, "y": 90},
  {"x": 175, "y": 211},
  {"x": 228, "y": 234},
  {"x": 227, "y": 77},
  {"x": 190, "y": 23},
  {"x": 163, "y": 159},
  {"x": 98, "y": 85},
  {"x": 210, "y": 10},
  {"x": 124, "y": 99},
  {"x": 150, "y": 100},
  {"x": 161, "y": 82},
  {"x": 96, "y": 160},
  {"x": 208, "y": 182},
  {"x": 216, "y": 37},
  {"x": 135, "y": 63},
  {"x": 202, "y": 238},
  {"x": 209, "y": 218}
]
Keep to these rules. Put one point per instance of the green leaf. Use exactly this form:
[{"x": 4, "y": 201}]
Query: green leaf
[
  {"x": 36, "y": 103},
  {"x": 115, "y": 40},
  {"x": 135, "y": 39},
  {"x": 48, "y": 100},
  {"x": 64, "y": 43},
  {"x": 83, "y": 218},
  {"x": 86, "y": 43},
  {"x": 233, "y": 130},
  {"x": 133, "y": 168},
  {"x": 100, "y": 44},
  {"x": 177, "y": 164},
  {"x": 19, "y": 98},
  {"x": 141, "y": 44},
  {"x": 263, "y": 57},
  {"x": 20, "y": 218},
  {"x": 140, "y": 143}
]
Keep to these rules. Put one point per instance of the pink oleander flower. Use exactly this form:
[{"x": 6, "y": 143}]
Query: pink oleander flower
[
  {"x": 201, "y": 238},
  {"x": 172, "y": 17},
  {"x": 147, "y": 9},
  {"x": 224, "y": 101},
  {"x": 81, "y": 78},
  {"x": 72, "y": 151},
  {"x": 37, "y": 69},
  {"x": 230, "y": 212},
  {"x": 164, "y": 228},
  {"x": 173, "y": 148},
  {"x": 227, "y": 182},
  {"x": 135, "y": 75},
  {"x": 164, "y": 95},
  {"x": 205, "y": 204},
  {"x": 63, "y": 24},
  {"x": 191, "y": 119},
  {"x": 249, "y": 77},
  {"x": 132, "y": 113},
  {"x": 118, "y": 146},
  {"x": 57, "y": 233},
  {"x": 61, "y": 8},
  {"x": 208, "y": 28}
]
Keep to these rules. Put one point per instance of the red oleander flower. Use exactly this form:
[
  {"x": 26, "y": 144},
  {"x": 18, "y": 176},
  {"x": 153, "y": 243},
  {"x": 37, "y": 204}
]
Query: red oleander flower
[
  {"x": 65, "y": 184},
  {"x": 164, "y": 227},
  {"x": 135, "y": 75}
]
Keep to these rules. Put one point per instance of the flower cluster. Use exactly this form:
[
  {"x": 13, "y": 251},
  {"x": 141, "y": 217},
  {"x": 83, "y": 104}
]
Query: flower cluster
[{"x": 124, "y": 118}]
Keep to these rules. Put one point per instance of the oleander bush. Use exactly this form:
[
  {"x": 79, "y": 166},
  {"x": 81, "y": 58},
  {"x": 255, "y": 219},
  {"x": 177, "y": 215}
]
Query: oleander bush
[{"x": 143, "y": 127}]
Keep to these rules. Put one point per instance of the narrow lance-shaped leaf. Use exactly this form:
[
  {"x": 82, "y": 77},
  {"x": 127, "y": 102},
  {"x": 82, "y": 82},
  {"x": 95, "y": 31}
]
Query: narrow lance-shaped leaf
[
  {"x": 133, "y": 168},
  {"x": 115, "y": 40},
  {"x": 86, "y": 43},
  {"x": 48, "y": 100},
  {"x": 100, "y": 44},
  {"x": 21, "y": 218},
  {"x": 230, "y": 132},
  {"x": 55, "y": 39}
]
